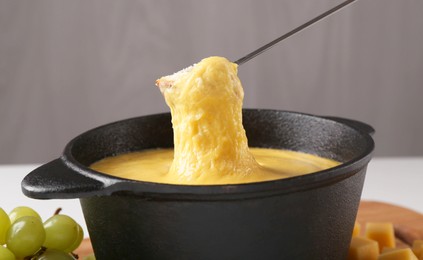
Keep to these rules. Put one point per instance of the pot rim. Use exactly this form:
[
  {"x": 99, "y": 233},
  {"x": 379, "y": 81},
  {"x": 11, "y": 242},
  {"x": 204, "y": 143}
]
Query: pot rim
[{"x": 113, "y": 185}]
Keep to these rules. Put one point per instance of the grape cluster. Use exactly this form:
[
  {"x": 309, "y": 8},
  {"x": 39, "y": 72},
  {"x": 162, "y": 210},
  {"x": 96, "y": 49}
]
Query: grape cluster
[{"x": 23, "y": 235}]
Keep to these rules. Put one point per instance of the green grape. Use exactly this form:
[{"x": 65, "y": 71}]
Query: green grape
[
  {"x": 25, "y": 236},
  {"x": 77, "y": 241},
  {"x": 6, "y": 254},
  {"x": 89, "y": 257},
  {"x": 53, "y": 254},
  {"x": 4, "y": 226},
  {"x": 61, "y": 232},
  {"x": 22, "y": 211}
]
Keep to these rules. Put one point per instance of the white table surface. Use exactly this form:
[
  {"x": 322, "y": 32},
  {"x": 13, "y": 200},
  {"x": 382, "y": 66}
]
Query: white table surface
[{"x": 396, "y": 180}]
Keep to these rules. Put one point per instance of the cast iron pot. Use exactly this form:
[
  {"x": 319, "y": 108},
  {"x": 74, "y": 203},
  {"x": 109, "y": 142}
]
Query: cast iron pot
[{"x": 305, "y": 217}]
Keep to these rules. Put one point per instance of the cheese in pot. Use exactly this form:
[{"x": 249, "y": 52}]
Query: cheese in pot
[
  {"x": 153, "y": 166},
  {"x": 210, "y": 144}
]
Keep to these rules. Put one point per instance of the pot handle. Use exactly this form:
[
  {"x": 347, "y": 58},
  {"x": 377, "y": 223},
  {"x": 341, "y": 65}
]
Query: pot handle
[
  {"x": 363, "y": 127},
  {"x": 56, "y": 180}
]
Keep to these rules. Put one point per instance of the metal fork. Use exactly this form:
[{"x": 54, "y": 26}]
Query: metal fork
[{"x": 292, "y": 32}]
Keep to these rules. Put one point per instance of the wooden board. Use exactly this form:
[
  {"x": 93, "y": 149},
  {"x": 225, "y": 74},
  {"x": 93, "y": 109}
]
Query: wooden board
[{"x": 408, "y": 224}]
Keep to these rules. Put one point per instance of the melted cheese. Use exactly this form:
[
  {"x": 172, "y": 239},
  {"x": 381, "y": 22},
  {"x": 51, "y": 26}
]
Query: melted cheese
[
  {"x": 206, "y": 107},
  {"x": 210, "y": 144},
  {"x": 153, "y": 166}
]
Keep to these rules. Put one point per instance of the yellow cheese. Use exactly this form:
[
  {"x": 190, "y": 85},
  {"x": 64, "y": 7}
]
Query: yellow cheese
[
  {"x": 384, "y": 236},
  {"x": 206, "y": 106},
  {"x": 362, "y": 248},
  {"x": 381, "y": 232},
  {"x": 388, "y": 249},
  {"x": 153, "y": 166},
  {"x": 210, "y": 143},
  {"x": 357, "y": 229},
  {"x": 418, "y": 248},
  {"x": 398, "y": 254}
]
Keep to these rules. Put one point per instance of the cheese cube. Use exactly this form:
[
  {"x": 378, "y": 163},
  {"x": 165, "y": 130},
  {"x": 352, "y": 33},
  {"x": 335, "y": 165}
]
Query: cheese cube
[
  {"x": 357, "y": 229},
  {"x": 381, "y": 232},
  {"x": 398, "y": 254},
  {"x": 362, "y": 248},
  {"x": 418, "y": 247},
  {"x": 387, "y": 249}
]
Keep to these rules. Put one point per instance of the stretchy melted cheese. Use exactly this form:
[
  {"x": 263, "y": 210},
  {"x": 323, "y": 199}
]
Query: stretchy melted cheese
[{"x": 210, "y": 144}]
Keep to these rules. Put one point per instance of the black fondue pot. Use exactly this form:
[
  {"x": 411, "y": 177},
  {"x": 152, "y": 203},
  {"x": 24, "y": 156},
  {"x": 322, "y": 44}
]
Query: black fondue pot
[{"x": 305, "y": 217}]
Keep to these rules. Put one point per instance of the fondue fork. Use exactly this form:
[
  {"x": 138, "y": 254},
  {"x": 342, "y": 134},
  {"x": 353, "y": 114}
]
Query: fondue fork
[{"x": 292, "y": 32}]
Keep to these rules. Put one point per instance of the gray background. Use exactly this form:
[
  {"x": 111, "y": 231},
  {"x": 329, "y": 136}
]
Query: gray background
[{"x": 68, "y": 66}]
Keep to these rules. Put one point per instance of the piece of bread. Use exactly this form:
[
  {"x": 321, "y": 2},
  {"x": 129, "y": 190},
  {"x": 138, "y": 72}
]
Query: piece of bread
[{"x": 168, "y": 81}]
